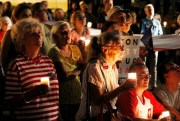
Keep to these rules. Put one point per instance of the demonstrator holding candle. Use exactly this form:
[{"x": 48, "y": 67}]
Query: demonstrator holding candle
[
  {"x": 28, "y": 97},
  {"x": 138, "y": 103},
  {"x": 80, "y": 34},
  {"x": 100, "y": 78}
]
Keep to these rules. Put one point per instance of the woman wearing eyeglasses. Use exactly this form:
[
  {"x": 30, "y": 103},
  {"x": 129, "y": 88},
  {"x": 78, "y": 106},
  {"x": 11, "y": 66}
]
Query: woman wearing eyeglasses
[
  {"x": 79, "y": 33},
  {"x": 68, "y": 62},
  {"x": 168, "y": 93},
  {"x": 27, "y": 97},
  {"x": 100, "y": 78},
  {"x": 139, "y": 103}
]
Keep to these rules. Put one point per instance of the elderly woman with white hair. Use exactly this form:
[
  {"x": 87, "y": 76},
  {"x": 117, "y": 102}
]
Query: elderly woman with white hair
[
  {"x": 68, "y": 62},
  {"x": 5, "y": 25},
  {"x": 29, "y": 97}
]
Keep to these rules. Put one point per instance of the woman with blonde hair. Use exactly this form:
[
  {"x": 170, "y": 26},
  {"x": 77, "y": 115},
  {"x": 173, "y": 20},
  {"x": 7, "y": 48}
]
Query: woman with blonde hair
[
  {"x": 29, "y": 97},
  {"x": 79, "y": 33}
]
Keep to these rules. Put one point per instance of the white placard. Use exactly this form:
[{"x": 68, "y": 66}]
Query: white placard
[
  {"x": 131, "y": 53},
  {"x": 165, "y": 42}
]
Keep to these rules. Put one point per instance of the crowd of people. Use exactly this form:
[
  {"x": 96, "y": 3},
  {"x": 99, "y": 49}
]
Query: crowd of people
[{"x": 49, "y": 71}]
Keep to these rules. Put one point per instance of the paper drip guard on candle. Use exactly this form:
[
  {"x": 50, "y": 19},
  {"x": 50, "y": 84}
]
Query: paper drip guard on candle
[
  {"x": 132, "y": 76},
  {"x": 45, "y": 80},
  {"x": 165, "y": 114}
]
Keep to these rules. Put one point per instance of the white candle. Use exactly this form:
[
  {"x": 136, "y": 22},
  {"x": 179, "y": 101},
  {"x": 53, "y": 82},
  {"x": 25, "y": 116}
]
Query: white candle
[
  {"x": 82, "y": 38},
  {"x": 131, "y": 75},
  {"x": 87, "y": 41},
  {"x": 165, "y": 114},
  {"x": 89, "y": 24},
  {"x": 45, "y": 80},
  {"x": 164, "y": 23}
]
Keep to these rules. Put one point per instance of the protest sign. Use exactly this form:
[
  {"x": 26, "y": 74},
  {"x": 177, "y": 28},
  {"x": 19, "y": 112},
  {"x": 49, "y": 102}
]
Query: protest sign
[{"x": 131, "y": 53}]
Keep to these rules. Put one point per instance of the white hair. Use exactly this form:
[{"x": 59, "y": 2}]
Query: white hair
[{"x": 6, "y": 19}]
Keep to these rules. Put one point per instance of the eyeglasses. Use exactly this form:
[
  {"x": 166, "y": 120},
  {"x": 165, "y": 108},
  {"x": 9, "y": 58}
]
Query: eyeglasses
[
  {"x": 65, "y": 32},
  {"x": 173, "y": 67},
  {"x": 144, "y": 76},
  {"x": 117, "y": 47}
]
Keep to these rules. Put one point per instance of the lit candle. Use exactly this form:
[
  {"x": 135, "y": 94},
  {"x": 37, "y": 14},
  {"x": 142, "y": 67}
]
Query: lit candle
[
  {"x": 87, "y": 41},
  {"x": 131, "y": 75},
  {"x": 89, "y": 24},
  {"x": 165, "y": 114},
  {"x": 82, "y": 38},
  {"x": 164, "y": 23},
  {"x": 45, "y": 80}
]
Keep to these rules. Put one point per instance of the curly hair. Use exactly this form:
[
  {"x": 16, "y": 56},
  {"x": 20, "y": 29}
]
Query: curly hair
[
  {"x": 55, "y": 29},
  {"x": 21, "y": 28}
]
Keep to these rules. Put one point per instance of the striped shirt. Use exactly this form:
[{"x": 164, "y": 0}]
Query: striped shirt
[{"x": 22, "y": 75}]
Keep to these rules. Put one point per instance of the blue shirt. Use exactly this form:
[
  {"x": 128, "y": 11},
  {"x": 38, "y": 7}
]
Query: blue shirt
[{"x": 156, "y": 28}]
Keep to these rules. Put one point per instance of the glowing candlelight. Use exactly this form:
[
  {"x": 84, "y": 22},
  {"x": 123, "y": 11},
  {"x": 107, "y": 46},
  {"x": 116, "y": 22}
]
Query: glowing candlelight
[
  {"x": 165, "y": 114},
  {"x": 131, "y": 75},
  {"x": 164, "y": 23},
  {"x": 89, "y": 24},
  {"x": 82, "y": 38},
  {"x": 45, "y": 80},
  {"x": 87, "y": 41}
]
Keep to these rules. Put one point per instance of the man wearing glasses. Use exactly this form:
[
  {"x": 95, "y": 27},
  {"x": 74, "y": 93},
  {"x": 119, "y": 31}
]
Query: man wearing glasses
[
  {"x": 169, "y": 91},
  {"x": 142, "y": 105}
]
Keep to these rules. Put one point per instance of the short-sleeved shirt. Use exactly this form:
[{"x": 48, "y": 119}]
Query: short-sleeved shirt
[
  {"x": 22, "y": 75},
  {"x": 166, "y": 97},
  {"x": 70, "y": 91},
  {"x": 156, "y": 28},
  {"x": 95, "y": 73},
  {"x": 128, "y": 104}
]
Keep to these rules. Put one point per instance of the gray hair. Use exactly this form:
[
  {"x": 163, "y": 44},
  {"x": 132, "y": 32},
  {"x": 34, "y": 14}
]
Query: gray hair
[
  {"x": 6, "y": 19},
  {"x": 21, "y": 28},
  {"x": 55, "y": 29}
]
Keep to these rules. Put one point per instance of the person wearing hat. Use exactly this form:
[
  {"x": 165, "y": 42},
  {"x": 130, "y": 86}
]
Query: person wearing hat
[{"x": 118, "y": 15}]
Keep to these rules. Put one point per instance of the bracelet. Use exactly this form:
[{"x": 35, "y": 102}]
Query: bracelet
[{"x": 25, "y": 100}]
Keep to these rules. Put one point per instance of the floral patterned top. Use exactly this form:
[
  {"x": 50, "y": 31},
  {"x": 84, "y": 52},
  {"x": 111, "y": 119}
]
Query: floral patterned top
[{"x": 67, "y": 87}]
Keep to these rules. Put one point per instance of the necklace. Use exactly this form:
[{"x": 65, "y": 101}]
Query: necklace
[
  {"x": 65, "y": 53},
  {"x": 35, "y": 61}
]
